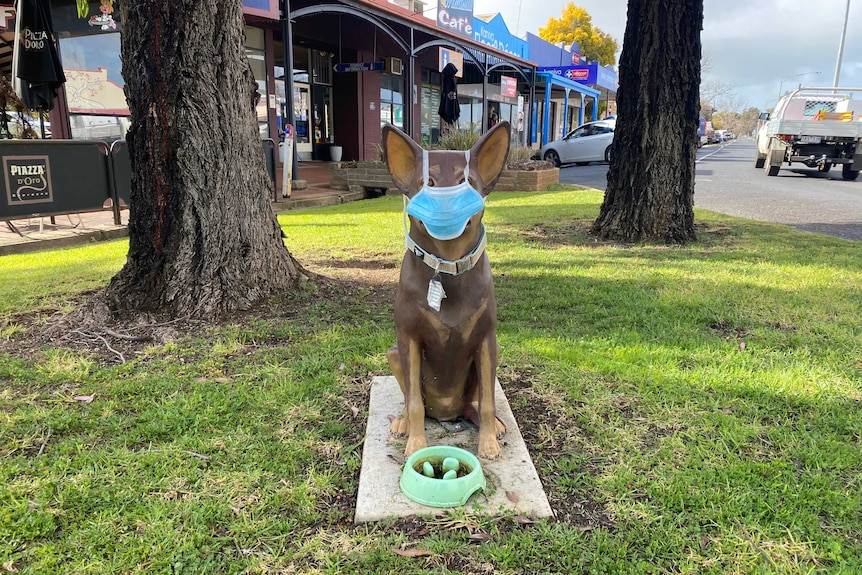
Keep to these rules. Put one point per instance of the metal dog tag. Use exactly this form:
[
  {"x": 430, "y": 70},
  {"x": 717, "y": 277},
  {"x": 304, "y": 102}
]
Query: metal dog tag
[{"x": 436, "y": 293}]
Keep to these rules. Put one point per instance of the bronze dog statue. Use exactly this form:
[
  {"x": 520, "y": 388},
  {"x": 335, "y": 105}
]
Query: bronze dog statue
[{"x": 445, "y": 356}]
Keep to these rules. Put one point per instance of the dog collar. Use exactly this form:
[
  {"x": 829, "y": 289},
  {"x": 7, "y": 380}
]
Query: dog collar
[{"x": 439, "y": 265}]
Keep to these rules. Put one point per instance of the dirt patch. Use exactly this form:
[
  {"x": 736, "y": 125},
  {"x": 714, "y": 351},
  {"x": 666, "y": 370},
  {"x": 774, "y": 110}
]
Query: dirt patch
[
  {"x": 728, "y": 331},
  {"x": 111, "y": 340},
  {"x": 551, "y": 435},
  {"x": 572, "y": 234}
]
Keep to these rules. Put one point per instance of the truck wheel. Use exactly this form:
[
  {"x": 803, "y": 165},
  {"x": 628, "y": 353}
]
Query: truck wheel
[
  {"x": 759, "y": 161},
  {"x": 824, "y": 167},
  {"x": 849, "y": 174},
  {"x": 767, "y": 164}
]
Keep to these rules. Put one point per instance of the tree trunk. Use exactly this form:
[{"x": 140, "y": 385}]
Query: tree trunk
[
  {"x": 650, "y": 193},
  {"x": 203, "y": 239}
]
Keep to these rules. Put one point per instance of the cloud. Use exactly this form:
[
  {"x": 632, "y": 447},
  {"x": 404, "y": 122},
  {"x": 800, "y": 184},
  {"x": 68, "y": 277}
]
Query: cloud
[{"x": 751, "y": 44}]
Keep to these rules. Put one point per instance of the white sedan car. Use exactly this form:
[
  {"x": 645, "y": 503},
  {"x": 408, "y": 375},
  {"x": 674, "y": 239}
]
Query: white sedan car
[{"x": 587, "y": 143}]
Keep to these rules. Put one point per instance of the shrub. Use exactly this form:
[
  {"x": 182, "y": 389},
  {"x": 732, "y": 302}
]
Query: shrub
[{"x": 457, "y": 140}]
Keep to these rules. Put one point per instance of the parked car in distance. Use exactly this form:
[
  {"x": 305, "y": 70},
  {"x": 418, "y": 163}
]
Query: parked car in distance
[{"x": 590, "y": 142}]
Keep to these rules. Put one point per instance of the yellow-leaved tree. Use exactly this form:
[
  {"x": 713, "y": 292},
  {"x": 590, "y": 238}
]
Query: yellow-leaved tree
[{"x": 576, "y": 25}]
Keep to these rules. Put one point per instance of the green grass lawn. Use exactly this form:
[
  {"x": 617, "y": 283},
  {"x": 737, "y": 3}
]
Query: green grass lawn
[{"x": 690, "y": 409}]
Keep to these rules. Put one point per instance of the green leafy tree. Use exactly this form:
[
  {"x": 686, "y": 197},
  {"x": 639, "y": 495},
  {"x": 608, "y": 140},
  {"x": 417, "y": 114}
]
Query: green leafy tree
[
  {"x": 576, "y": 25},
  {"x": 748, "y": 120}
]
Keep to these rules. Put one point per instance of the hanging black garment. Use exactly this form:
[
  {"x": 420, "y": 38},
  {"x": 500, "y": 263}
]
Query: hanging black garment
[
  {"x": 449, "y": 108},
  {"x": 37, "y": 63}
]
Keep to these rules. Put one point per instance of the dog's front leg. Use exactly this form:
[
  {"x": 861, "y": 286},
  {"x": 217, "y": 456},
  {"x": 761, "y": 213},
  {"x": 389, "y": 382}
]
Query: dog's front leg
[
  {"x": 414, "y": 406},
  {"x": 486, "y": 366}
]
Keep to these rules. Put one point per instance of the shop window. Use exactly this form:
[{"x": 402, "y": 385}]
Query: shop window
[
  {"x": 94, "y": 86},
  {"x": 429, "y": 106},
  {"x": 429, "y": 114},
  {"x": 254, "y": 51},
  {"x": 321, "y": 63},
  {"x": 391, "y": 100}
]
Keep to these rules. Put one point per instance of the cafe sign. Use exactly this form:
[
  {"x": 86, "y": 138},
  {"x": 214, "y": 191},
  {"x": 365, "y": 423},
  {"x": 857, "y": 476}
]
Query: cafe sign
[
  {"x": 456, "y": 16},
  {"x": 28, "y": 180}
]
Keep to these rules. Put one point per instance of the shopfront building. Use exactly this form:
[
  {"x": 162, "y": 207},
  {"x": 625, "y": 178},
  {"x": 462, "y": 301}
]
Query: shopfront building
[{"x": 354, "y": 65}]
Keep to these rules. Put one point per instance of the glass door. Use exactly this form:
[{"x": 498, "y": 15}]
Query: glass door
[{"x": 301, "y": 105}]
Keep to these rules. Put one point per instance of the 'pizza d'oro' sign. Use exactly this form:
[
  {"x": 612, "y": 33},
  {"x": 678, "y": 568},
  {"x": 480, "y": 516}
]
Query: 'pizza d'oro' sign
[{"x": 28, "y": 179}]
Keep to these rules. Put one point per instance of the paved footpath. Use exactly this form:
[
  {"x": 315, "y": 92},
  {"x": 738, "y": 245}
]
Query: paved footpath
[{"x": 39, "y": 233}]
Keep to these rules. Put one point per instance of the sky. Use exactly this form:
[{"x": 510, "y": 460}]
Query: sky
[{"x": 754, "y": 46}]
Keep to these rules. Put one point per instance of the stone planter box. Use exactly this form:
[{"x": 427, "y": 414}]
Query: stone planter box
[
  {"x": 353, "y": 176},
  {"x": 527, "y": 180},
  {"x": 374, "y": 177}
]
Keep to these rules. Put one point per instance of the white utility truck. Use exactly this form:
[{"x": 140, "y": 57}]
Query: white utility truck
[{"x": 817, "y": 127}]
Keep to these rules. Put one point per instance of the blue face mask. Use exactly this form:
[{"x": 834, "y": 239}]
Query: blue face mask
[{"x": 445, "y": 211}]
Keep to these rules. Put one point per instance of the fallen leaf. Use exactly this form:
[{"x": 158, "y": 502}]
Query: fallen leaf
[
  {"x": 222, "y": 380},
  {"x": 84, "y": 398},
  {"x": 479, "y": 537},
  {"x": 10, "y": 566},
  {"x": 523, "y": 520},
  {"x": 354, "y": 410},
  {"x": 512, "y": 496},
  {"x": 412, "y": 552}
]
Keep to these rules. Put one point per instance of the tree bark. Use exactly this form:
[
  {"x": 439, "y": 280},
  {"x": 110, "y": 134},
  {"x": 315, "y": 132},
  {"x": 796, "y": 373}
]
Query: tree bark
[
  {"x": 203, "y": 239},
  {"x": 650, "y": 193}
]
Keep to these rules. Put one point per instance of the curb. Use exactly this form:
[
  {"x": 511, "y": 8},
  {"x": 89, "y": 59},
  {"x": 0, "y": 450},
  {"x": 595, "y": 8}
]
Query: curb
[{"x": 64, "y": 242}]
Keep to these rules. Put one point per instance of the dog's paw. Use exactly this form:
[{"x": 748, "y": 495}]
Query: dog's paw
[
  {"x": 489, "y": 448},
  {"x": 500, "y": 427},
  {"x": 415, "y": 443},
  {"x": 398, "y": 428}
]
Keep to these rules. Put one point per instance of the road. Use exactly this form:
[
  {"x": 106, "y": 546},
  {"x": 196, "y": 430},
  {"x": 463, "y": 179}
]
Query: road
[{"x": 727, "y": 182}]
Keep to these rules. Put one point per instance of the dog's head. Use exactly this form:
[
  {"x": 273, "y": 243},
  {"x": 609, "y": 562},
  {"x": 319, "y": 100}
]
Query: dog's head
[{"x": 453, "y": 184}]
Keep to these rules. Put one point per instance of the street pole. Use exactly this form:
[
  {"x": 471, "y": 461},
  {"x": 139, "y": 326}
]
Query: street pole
[
  {"x": 287, "y": 43},
  {"x": 841, "y": 46}
]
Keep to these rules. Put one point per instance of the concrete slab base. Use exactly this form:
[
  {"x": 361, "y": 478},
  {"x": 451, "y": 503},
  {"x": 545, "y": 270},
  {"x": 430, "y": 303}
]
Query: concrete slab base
[{"x": 513, "y": 484}]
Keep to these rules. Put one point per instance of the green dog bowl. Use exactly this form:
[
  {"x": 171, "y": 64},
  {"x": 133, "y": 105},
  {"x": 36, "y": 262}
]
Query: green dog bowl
[{"x": 436, "y": 491}]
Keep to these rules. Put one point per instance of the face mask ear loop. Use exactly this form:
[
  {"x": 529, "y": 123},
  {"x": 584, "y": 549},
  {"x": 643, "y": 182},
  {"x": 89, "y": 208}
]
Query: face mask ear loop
[
  {"x": 404, "y": 219},
  {"x": 467, "y": 172}
]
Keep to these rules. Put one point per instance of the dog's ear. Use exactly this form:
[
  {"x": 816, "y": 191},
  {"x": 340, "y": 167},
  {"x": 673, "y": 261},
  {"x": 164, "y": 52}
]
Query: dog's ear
[
  {"x": 490, "y": 154},
  {"x": 403, "y": 159}
]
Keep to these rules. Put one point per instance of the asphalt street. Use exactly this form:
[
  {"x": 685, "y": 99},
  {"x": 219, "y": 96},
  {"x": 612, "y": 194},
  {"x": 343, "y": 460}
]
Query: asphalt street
[{"x": 727, "y": 182}]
